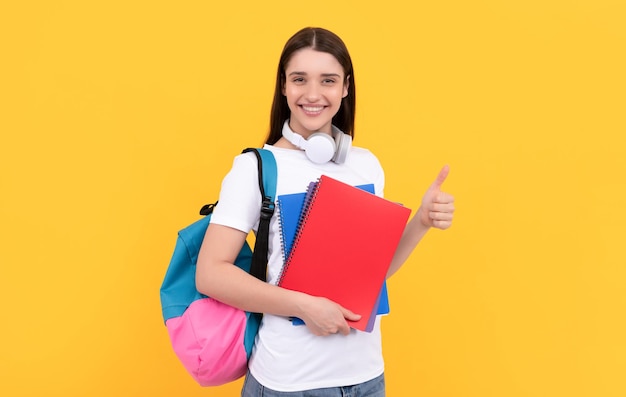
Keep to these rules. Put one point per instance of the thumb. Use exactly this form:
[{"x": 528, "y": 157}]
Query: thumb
[
  {"x": 349, "y": 315},
  {"x": 443, "y": 174}
]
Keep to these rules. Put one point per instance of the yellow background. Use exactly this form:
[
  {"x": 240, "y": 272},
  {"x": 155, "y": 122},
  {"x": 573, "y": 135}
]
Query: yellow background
[{"x": 119, "y": 118}]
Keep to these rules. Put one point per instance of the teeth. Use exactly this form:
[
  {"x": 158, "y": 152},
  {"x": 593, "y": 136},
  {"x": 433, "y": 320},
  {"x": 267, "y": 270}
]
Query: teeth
[{"x": 312, "y": 109}]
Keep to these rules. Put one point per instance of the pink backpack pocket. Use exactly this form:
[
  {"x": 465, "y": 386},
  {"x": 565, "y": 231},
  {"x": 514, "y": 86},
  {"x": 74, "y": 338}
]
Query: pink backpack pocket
[{"x": 209, "y": 341}]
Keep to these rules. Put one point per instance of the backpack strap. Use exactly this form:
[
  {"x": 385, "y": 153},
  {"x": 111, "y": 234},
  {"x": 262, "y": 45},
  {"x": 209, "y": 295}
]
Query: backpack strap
[{"x": 267, "y": 184}]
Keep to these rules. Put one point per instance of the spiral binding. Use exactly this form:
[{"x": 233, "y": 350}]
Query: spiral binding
[
  {"x": 304, "y": 216},
  {"x": 281, "y": 224}
]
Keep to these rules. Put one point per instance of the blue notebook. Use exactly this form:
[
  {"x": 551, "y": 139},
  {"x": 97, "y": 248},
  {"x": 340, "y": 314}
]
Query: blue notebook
[{"x": 289, "y": 209}]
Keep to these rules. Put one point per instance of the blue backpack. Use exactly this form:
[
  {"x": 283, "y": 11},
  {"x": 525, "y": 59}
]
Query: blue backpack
[{"x": 214, "y": 340}]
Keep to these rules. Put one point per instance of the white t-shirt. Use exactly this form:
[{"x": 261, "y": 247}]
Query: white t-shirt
[{"x": 288, "y": 357}]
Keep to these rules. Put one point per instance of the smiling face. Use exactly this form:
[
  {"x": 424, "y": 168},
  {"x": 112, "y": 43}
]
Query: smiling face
[{"x": 314, "y": 87}]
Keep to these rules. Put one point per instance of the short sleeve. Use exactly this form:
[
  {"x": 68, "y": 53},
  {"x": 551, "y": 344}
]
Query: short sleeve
[{"x": 239, "y": 202}]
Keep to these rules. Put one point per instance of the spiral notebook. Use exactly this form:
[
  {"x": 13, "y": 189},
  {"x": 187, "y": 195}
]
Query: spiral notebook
[
  {"x": 289, "y": 211},
  {"x": 344, "y": 243}
]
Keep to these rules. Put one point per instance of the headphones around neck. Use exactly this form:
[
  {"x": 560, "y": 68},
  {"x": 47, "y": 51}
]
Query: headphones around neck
[{"x": 320, "y": 147}]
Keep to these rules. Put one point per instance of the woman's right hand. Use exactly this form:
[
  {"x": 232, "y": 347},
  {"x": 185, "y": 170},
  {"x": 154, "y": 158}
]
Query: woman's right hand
[{"x": 324, "y": 317}]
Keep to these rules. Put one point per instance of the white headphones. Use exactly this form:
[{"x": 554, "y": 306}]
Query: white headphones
[{"x": 320, "y": 147}]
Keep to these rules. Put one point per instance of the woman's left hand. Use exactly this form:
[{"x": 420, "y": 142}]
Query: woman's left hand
[{"x": 437, "y": 207}]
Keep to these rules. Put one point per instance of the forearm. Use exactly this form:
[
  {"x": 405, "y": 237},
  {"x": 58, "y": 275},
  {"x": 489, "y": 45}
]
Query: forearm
[
  {"x": 413, "y": 233},
  {"x": 233, "y": 286}
]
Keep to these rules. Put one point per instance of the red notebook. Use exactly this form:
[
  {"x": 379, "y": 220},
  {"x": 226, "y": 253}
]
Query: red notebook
[{"x": 344, "y": 245}]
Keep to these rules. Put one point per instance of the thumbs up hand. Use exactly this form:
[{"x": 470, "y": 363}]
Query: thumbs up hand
[{"x": 437, "y": 207}]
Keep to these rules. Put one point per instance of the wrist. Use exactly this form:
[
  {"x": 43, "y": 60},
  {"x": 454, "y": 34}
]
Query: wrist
[
  {"x": 300, "y": 304},
  {"x": 423, "y": 217}
]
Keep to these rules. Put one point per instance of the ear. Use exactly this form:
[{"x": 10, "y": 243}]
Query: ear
[{"x": 346, "y": 85}]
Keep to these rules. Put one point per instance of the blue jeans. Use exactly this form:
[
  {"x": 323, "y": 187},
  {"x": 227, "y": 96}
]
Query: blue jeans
[{"x": 371, "y": 388}]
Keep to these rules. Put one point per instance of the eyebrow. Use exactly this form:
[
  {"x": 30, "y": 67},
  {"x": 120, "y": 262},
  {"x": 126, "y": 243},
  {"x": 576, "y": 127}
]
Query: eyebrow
[{"x": 323, "y": 74}]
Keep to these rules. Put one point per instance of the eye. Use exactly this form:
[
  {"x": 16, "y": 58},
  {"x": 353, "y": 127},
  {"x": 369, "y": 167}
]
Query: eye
[
  {"x": 298, "y": 80},
  {"x": 329, "y": 81}
]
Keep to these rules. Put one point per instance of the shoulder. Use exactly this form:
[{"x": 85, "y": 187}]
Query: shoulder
[
  {"x": 243, "y": 174},
  {"x": 245, "y": 160},
  {"x": 361, "y": 151},
  {"x": 365, "y": 163},
  {"x": 363, "y": 155},
  {"x": 245, "y": 167}
]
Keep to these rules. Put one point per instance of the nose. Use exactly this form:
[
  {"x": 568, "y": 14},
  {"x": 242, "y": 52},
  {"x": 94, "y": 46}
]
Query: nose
[{"x": 312, "y": 92}]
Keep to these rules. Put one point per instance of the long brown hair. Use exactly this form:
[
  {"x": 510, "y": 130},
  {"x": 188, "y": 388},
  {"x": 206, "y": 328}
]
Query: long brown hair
[{"x": 322, "y": 40}]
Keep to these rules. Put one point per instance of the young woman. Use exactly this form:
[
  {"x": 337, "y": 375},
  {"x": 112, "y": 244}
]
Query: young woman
[{"x": 315, "y": 94}]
